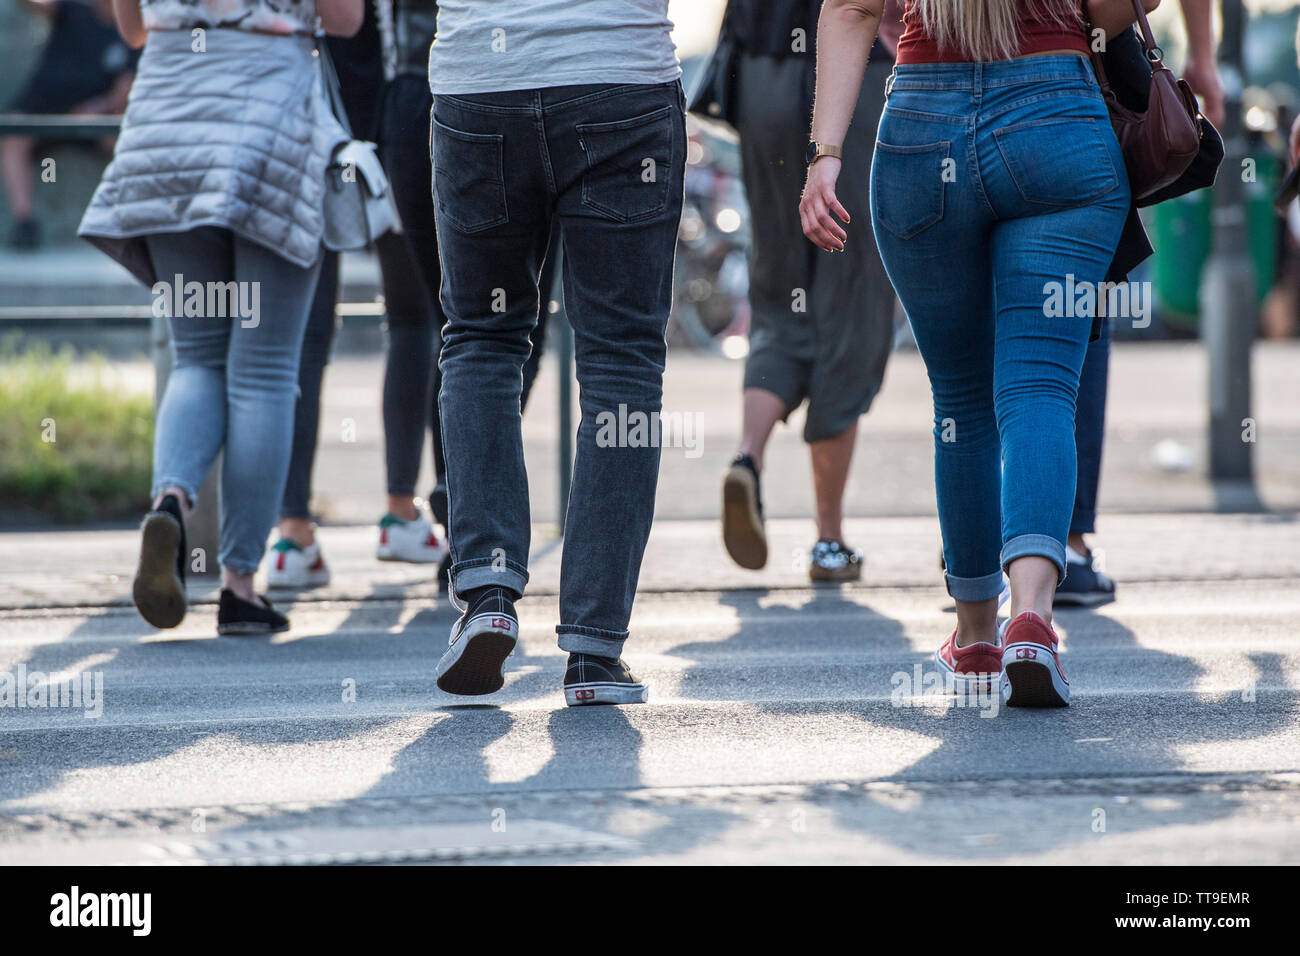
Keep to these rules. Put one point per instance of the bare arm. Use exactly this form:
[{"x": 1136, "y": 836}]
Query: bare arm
[
  {"x": 341, "y": 18},
  {"x": 845, "y": 32},
  {"x": 129, "y": 22},
  {"x": 1200, "y": 71}
]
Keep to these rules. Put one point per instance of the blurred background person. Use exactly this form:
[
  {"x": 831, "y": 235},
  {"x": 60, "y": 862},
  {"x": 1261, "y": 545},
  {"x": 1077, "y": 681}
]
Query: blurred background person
[
  {"x": 822, "y": 324},
  {"x": 383, "y": 73},
  {"x": 1086, "y": 582},
  {"x": 84, "y": 67},
  {"x": 172, "y": 207}
]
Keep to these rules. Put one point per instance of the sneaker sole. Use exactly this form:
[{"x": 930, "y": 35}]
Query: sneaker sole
[
  {"x": 834, "y": 575},
  {"x": 435, "y": 559},
  {"x": 1033, "y": 683},
  {"x": 742, "y": 526},
  {"x": 248, "y": 629},
  {"x": 474, "y": 664},
  {"x": 605, "y": 692},
  {"x": 1081, "y": 599},
  {"x": 157, "y": 591},
  {"x": 285, "y": 584}
]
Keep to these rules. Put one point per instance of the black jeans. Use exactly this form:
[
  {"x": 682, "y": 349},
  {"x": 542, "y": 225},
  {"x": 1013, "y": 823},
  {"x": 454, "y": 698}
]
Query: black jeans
[
  {"x": 411, "y": 277},
  {"x": 606, "y": 161}
]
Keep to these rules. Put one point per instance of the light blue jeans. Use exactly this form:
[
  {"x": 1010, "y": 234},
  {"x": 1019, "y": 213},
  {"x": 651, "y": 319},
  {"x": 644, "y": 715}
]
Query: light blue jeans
[
  {"x": 234, "y": 382},
  {"x": 998, "y": 193}
]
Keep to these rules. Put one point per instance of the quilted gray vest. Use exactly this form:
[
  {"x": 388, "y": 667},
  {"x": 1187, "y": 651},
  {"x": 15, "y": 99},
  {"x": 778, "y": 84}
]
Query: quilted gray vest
[{"x": 237, "y": 136}]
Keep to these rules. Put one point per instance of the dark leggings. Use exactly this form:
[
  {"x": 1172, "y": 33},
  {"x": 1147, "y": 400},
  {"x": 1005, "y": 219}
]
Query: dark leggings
[
  {"x": 1090, "y": 430},
  {"x": 412, "y": 277}
]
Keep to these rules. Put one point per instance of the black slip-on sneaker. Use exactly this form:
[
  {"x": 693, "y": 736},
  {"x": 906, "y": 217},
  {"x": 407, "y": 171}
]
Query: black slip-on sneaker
[
  {"x": 1085, "y": 583},
  {"x": 159, "y": 586},
  {"x": 235, "y": 616},
  {"x": 743, "y": 532},
  {"x": 834, "y": 561},
  {"x": 481, "y": 640},
  {"x": 601, "y": 680}
]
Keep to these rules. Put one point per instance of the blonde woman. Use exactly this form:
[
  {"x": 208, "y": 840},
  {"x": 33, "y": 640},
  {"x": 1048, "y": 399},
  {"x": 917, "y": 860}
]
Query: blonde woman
[{"x": 997, "y": 184}]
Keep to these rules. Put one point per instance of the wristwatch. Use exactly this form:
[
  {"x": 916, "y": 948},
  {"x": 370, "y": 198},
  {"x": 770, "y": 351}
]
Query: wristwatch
[{"x": 816, "y": 151}]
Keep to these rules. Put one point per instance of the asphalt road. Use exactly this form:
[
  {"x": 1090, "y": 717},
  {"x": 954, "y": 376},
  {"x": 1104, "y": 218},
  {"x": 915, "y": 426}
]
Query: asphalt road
[{"x": 777, "y": 730}]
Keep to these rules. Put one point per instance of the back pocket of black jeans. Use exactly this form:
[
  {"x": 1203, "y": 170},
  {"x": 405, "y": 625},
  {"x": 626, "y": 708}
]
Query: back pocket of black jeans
[
  {"x": 628, "y": 165},
  {"x": 1058, "y": 162},
  {"x": 468, "y": 178},
  {"x": 907, "y": 185}
]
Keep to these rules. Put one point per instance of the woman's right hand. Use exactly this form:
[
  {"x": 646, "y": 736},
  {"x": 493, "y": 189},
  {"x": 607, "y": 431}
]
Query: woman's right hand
[{"x": 818, "y": 208}]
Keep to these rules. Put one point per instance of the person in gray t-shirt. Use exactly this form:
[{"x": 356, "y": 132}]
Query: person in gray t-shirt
[
  {"x": 525, "y": 44},
  {"x": 565, "y": 112}
]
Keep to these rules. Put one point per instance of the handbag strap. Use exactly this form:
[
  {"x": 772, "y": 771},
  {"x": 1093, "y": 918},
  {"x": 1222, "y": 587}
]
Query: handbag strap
[
  {"x": 330, "y": 80},
  {"x": 1153, "y": 51}
]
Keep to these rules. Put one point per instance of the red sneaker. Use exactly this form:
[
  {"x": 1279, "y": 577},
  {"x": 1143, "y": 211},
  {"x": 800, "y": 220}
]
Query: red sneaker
[
  {"x": 1032, "y": 665},
  {"x": 974, "y": 668}
]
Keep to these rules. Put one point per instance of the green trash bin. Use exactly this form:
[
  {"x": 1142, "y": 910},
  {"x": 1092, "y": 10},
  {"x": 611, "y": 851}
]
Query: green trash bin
[{"x": 1180, "y": 232}]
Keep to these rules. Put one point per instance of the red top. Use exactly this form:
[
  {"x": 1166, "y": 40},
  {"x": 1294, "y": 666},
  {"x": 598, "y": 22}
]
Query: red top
[{"x": 1037, "y": 35}]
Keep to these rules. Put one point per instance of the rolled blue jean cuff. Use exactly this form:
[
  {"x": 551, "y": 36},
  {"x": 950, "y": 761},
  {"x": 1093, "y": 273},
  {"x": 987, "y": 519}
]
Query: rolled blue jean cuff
[
  {"x": 191, "y": 492},
  {"x": 1041, "y": 545},
  {"x": 488, "y": 573},
  {"x": 591, "y": 640},
  {"x": 974, "y": 589}
]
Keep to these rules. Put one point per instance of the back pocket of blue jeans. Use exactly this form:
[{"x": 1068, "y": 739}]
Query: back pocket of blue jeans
[
  {"x": 468, "y": 178},
  {"x": 1058, "y": 162},
  {"x": 628, "y": 165},
  {"x": 907, "y": 185}
]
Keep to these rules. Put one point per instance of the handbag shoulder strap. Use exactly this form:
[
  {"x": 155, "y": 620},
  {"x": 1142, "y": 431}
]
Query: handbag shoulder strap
[
  {"x": 330, "y": 80},
  {"x": 1153, "y": 51}
]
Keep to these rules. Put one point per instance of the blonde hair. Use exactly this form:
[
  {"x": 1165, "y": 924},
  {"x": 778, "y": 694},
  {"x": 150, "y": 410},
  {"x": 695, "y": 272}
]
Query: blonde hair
[{"x": 987, "y": 29}]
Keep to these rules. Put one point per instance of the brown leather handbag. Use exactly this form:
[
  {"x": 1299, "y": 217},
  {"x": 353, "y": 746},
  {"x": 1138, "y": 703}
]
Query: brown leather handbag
[{"x": 1160, "y": 142}]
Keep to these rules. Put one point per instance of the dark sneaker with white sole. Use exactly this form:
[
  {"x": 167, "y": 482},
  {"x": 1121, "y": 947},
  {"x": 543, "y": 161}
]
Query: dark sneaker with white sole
[
  {"x": 834, "y": 561},
  {"x": 601, "y": 680},
  {"x": 159, "y": 586},
  {"x": 743, "y": 532},
  {"x": 1085, "y": 583},
  {"x": 481, "y": 640},
  {"x": 237, "y": 617}
]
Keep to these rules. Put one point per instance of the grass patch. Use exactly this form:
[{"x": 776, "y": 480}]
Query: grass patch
[{"x": 72, "y": 448}]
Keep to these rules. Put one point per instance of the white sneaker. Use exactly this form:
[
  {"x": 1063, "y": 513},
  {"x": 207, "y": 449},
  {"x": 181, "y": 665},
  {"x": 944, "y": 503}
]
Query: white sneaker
[
  {"x": 293, "y": 566},
  {"x": 418, "y": 541}
]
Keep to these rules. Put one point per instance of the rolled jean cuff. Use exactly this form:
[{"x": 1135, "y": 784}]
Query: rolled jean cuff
[
  {"x": 591, "y": 640},
  {"x": 190, "y": 491},
  {"x": 484, "y": 573},
  {"x": 1041, "y": 545},
  {"x": 974, "y": 589},
  {"x": 236, "y": 566}
]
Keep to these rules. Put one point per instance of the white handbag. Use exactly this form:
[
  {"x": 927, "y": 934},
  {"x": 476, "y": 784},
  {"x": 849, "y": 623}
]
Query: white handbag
[{"x": 359, "y": 204}]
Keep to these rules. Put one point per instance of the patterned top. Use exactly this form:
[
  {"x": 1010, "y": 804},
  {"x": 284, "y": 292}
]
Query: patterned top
[{"x": 264, "y": 16}]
